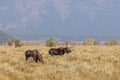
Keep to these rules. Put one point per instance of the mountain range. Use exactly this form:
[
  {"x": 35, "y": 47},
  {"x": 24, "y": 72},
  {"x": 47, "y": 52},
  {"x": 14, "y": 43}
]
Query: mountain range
[
  {"x": 4, "y": 37},
  {"x": 76, "y": 19}
]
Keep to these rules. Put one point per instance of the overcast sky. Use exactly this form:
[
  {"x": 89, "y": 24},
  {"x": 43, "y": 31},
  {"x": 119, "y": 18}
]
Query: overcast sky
[{"x": 60, "y": 17}]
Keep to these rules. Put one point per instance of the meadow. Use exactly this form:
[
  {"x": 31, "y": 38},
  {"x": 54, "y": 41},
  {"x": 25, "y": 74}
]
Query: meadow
[{"x": 83, "y": 63}]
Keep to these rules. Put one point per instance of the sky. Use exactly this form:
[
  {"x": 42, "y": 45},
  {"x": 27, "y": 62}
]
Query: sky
[{"x": 60, "y": 17}]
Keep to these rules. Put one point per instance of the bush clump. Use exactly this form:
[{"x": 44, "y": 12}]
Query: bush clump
[{"x": 50, "y": 42}]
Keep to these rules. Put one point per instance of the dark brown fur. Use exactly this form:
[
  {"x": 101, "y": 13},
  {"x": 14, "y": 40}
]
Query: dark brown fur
[
  {"x": 59, "y": 51},
  {"x": 34, "y": 54}
]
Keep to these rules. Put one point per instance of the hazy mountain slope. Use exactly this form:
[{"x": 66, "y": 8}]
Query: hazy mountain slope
[
  {"x": 4, "y": 37},
  {"x": 60, "y": 17}
]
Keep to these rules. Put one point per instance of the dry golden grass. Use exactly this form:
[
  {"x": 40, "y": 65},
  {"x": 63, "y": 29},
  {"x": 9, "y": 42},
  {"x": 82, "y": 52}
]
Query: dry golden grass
[{"x": 84, "y": 63}]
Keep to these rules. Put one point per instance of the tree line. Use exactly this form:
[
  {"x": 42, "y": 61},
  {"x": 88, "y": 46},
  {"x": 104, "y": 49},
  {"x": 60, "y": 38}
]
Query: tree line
[{"x": 51, "y": 42}]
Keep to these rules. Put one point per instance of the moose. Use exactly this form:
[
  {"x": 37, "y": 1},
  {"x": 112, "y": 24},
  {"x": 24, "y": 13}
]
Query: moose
[
  {"x": 34, "y": 54},
  {"x": 59, "y": 51}
]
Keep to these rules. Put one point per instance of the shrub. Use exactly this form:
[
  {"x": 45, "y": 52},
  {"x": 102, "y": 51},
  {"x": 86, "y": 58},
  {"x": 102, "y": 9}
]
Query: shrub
[
  {"x": 112, "y": 42},
  {"x": 88, "y": 41},
  {"x": 10, "y": 43},
  {"x": 17, "y": 43},
  {"x": 50, "y": 42},
  {"x": 96, "y": 42}
]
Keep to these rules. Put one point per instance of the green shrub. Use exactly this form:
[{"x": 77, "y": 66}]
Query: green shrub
[
  {"x": 50, "y": 42},
  {"x": 17, "y": 43},
  {"x": 112, "y": 42},
  {"x": 10, "y": 43}
]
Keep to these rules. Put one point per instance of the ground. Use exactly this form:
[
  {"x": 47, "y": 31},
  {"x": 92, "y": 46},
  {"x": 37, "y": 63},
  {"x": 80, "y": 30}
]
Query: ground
[{"x": 84, "y": 63}]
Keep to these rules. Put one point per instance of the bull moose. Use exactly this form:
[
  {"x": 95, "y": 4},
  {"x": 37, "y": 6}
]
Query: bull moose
[
  {"x": 34, "y": 54},
  {"x": 59, "y": 51}
]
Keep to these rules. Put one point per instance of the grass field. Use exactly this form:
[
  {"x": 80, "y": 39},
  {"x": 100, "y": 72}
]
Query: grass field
[{"x": 84, "y": 63}]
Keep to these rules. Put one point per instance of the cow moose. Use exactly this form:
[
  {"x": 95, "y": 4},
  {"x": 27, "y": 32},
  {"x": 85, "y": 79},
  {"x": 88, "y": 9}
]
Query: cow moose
[
  {"x": 34, "y": 54},
  {"x": 59, "y": 51},
  {"x": 64, "y": 50}
]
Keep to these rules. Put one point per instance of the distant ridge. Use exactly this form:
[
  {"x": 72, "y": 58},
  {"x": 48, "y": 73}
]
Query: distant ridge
[
  {"x": 4, "y": 37},
  {"x": 40, "y": 38}
]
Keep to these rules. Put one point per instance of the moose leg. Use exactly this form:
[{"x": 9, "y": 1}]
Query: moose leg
[
  {"x": 26, "y": 58},
  {"x": 35, "y": 59},
  {"x": 39, "y": 59}
]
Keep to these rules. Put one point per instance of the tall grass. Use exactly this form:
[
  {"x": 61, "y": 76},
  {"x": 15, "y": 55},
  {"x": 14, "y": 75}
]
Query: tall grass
[{"x": 84, "y": 63}]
